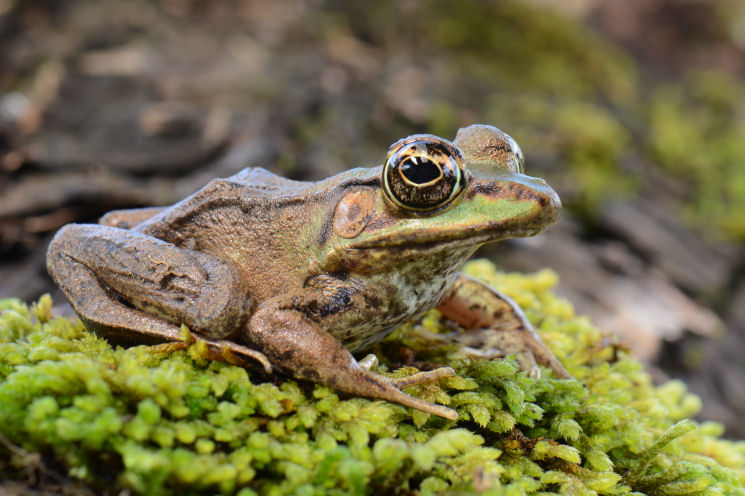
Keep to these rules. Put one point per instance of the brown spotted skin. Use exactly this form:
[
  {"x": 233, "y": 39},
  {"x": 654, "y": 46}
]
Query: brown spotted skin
[{"x": 303, "y": 273}]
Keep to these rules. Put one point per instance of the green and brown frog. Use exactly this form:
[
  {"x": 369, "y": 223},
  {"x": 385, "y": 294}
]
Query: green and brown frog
[{"x": 300, "y": 275}]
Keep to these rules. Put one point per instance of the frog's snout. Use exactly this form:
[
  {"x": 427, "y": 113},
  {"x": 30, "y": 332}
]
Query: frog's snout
[
  {"x": 518, "y": 205},
  {"x": 546, "y": 203},
  {"x": 549, "y": 202}
]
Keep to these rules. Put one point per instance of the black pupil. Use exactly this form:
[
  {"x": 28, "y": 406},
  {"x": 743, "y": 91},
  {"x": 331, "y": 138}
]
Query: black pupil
[{"x": 420, "y": 170}]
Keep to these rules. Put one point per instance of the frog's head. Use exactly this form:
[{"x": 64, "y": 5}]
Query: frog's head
[{"x": 434, "y": 195}]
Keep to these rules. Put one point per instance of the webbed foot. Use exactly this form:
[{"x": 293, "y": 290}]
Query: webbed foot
[{"x": 396, "y": 395}]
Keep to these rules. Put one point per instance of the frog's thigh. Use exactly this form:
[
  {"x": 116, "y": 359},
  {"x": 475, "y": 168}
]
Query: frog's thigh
[
  {"x": 475, "y": 305},
  {"x": 101, "y": 312},
  {"x": 90, "y": 262}
]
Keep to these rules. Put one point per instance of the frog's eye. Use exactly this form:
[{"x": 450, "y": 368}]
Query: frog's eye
[
  {"x": 487, "y": 147},
  {"x": 423, "y": 173}
]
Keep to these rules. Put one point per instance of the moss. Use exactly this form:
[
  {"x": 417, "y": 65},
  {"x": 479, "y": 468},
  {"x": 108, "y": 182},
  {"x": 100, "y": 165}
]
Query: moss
[
  {"x": 697, "y": 134},
  {"x": 173, "y": 423}
]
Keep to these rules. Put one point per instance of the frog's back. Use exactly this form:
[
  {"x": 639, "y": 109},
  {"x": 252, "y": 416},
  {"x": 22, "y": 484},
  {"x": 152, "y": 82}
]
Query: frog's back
[
  {"x": 264, "y": 224},
  {"x": 250, "y": 186},
  {"x": 259, "y": 183}
]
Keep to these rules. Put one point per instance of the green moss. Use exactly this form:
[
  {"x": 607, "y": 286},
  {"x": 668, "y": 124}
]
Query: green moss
[
  {"x": 175, "y": 423},
  {"x": 696, "y": 132}
]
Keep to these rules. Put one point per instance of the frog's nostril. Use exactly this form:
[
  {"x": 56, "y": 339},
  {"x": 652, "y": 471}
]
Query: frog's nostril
[
  {"x": 553, "y": 201},
  {"x": 550, "y": 206}
]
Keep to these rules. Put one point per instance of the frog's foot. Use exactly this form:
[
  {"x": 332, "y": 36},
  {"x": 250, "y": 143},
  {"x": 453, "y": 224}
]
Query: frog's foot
[
  {"x": 233, "y": 353},
  {"x": 217, "y": 350},
  {"x": 524, "y": 358},
  {"x": 368, "y": 362},
  {"x": 422, "y": 377},
  {"x": 168, "y": 348},
  {"x": 395, "y": 394},
  {"x": 429, "y": 338},
  {"x": 371, "y": 361},
  {"x": 482, "y": 354},
  {"x": 488, "y": 344}
]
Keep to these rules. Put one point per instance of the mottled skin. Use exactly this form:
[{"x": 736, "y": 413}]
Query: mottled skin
[{"x": 300, "y": 274}]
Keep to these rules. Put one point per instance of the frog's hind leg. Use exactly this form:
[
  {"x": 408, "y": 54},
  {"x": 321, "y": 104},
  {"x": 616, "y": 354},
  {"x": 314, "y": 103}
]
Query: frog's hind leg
[{"x": 112, "y": 276}]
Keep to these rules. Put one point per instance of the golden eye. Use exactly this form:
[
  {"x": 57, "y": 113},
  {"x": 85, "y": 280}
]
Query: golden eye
[{"x": 424, "y": 173}]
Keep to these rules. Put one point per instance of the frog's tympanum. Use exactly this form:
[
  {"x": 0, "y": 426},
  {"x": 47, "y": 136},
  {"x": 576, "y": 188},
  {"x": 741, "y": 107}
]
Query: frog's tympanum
[{"x": 300, "y": 275}]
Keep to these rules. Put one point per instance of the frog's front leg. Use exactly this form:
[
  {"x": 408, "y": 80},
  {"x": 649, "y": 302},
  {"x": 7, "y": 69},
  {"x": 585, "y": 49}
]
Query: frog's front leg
[
  {"x": 288, "y": 329},
  {"x": 476, "y": 306}
]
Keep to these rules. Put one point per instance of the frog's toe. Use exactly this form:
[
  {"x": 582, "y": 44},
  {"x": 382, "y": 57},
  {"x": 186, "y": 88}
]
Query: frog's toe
[
  {"x": 395, "y": 393},
  {"x": 439, "y": 410},
  {"x": 527, "y": 362},
  {"x": 534, "y": 372},
  {"x": 543, "y": 356},
  {"x": 167, "y": 348},
  {"x": 422, "y": 377},
  {"x": 482, "y": 354},
  {"x": 368, "y": 362},
  {"x": 234, "y": 353},
  {"x": 398, "y": 396}
]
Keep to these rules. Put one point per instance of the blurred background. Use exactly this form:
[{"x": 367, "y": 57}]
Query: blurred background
[{"x": 634, "y": 111}]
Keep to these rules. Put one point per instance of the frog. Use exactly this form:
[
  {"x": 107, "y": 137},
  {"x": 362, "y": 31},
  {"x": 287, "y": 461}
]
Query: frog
[{"x": 301, "y": 276}]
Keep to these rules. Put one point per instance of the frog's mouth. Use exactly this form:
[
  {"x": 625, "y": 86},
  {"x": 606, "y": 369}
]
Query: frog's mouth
[{"x": 474, "y": 236}]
